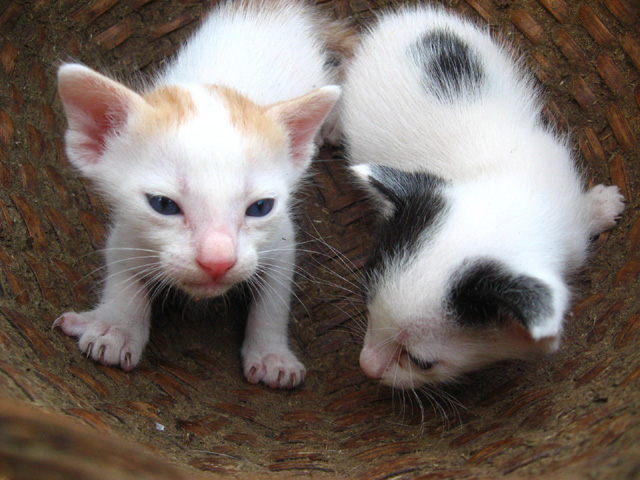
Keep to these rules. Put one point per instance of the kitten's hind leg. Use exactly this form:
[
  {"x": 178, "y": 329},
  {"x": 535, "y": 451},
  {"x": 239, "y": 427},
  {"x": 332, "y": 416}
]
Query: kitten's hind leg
[
  {"x": 606, "y": 204},
  {"x": 266, "y": 355}
]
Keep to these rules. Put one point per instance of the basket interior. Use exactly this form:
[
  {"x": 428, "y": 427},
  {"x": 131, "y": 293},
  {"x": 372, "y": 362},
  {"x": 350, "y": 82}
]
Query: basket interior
[{"x": 573, "y": 413}]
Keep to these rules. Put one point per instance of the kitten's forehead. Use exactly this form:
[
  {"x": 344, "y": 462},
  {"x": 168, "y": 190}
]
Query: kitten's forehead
[
  {"x": 249, "y": 118},
  {"x": 218, "y": 108},
  {"x": 164, "y": 108},
  {"x": 169, "y": 105},
  {"x": 208, "y": 148},
  {"x": 410, "y": 294}
]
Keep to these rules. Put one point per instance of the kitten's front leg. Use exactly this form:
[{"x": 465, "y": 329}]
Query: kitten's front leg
[
  {"x": 266, "y": 354},
  {"x": 116, "y": 332}
]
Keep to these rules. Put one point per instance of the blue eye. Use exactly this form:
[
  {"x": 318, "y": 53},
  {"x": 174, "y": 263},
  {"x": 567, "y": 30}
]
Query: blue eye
[
  {"x": 163, "y": 205},
  {"x": 260, "y": 208}
]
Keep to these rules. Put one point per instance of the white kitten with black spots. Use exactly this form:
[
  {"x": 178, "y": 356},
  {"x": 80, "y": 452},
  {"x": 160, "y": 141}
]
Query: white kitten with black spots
[
  {"x": 198, "y": 170},
  {"x": 485, "y": 213}
]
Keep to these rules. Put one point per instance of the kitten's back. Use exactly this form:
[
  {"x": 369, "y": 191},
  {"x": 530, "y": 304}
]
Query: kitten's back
[
  {"x": 269, "y": 51},
  {"x": 443, "y": 92}
]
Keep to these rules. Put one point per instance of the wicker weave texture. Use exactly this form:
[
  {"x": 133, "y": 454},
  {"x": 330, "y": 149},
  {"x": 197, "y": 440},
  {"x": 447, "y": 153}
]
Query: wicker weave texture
[{"x": 575, "y": 414}]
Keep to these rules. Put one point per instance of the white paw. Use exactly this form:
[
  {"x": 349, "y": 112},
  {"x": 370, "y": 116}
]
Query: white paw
[
  {"x": 278, "y": 370},
  {"x": 607, "y": 203},
  {"x": 104, "y": 341}
]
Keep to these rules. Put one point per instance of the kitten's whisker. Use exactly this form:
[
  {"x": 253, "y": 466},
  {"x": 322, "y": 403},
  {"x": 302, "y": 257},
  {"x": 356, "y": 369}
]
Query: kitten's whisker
[
  {"x": 157, "y": 283},
  {"x": 260, "y": 288},
  {"x": 105, "y": 267},
  {"x": 266, "y": 271},
  {"x": 302, "y": 273},
  {"x": 127, "y": 249},
  {"x": 328, "y": 270},
  {"x": 432, "y": 396},
  {"x": 343, "y": 258},
  {"x": 287, "y": 248},
  {"x": 139, "y": 271},
  {"x": 284, "y": 284},
  {"x": 453, "y": 402},
  {"x": 103, "y": 251},
  {"x": 137, "y": 278}
]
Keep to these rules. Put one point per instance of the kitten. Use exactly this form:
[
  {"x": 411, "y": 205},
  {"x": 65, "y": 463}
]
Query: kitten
[
  {"x": 198, "y": 170},
  {"x": 485, "y": 213}
]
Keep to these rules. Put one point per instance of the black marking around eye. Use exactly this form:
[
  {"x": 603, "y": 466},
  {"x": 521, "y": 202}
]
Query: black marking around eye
[
  {"x": 486, "y": 288},
  {"x": 449, "y": 66},
  {"x": 418, "y": 205}
]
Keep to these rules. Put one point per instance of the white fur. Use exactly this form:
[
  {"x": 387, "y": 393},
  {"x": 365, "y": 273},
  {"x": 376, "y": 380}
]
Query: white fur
[
  {"x": 213, "y": 170},
  {"x": 513, "y": 192},
  {"x": 269, "y": 54}
]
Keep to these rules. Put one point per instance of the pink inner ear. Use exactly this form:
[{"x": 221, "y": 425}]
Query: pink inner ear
[
  {"x": 96, "y": 107},
  {"x": 301, "y": 132},
  {"x": 303, "y": 117},
  {"x": 103, "y": 119},
  {"x": 104, "y": 112}
]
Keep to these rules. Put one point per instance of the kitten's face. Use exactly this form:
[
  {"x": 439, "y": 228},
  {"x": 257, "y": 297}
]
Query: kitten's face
[
  {"x": 198, "y": 177},
  {"x": 451, "y": 286},
  {"x": 420, "y": 333},
  {"x": 203, "y": 196}
]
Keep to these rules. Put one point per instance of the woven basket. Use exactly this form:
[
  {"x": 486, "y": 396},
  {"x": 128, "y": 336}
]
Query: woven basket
[{"x": 187, "y": 412}]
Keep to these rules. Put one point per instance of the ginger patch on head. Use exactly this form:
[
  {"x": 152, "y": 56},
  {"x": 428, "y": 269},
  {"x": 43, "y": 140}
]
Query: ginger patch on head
[
  {"x": 166, "y": 106},
  {"x": 250, "y": 118}
]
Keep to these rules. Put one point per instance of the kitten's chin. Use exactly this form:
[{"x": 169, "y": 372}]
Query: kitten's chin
[{"x": 207, "y": 289}]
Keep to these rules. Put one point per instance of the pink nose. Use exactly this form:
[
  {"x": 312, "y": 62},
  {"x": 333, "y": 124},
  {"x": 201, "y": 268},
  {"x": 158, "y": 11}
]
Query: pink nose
[
  {"x": 216, "y": 254},
  {"x": 372, "y": 363},
  {"x": 216, "y": 269}
]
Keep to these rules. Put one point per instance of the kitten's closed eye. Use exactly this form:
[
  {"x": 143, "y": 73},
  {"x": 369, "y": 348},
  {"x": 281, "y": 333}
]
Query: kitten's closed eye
[
  {"x": 260, "y": 208},
  {"x": 163, "y": 205},
  {"x": 418, "y": 362}
]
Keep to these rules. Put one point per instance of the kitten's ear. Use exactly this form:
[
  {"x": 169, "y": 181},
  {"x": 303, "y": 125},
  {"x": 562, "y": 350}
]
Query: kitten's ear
[
  {"x": 302, "y": 118},
  {"x": 370, "y": 176},
  {"x": 486, "y": 290},
  {"x": 96, "y": 108},
  {"x": 393, "y": 189}
]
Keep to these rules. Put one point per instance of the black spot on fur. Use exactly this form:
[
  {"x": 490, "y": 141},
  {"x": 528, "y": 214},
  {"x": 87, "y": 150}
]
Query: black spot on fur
[
  {"x": 449, "y": 65},
  {"x": 418, "y": 203},
  {"x": 486, "y": 289}
]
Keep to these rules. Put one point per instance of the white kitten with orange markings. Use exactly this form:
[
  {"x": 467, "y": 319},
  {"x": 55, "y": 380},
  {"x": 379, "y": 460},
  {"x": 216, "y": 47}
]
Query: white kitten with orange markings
[{"x": 198, "y": 170}]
